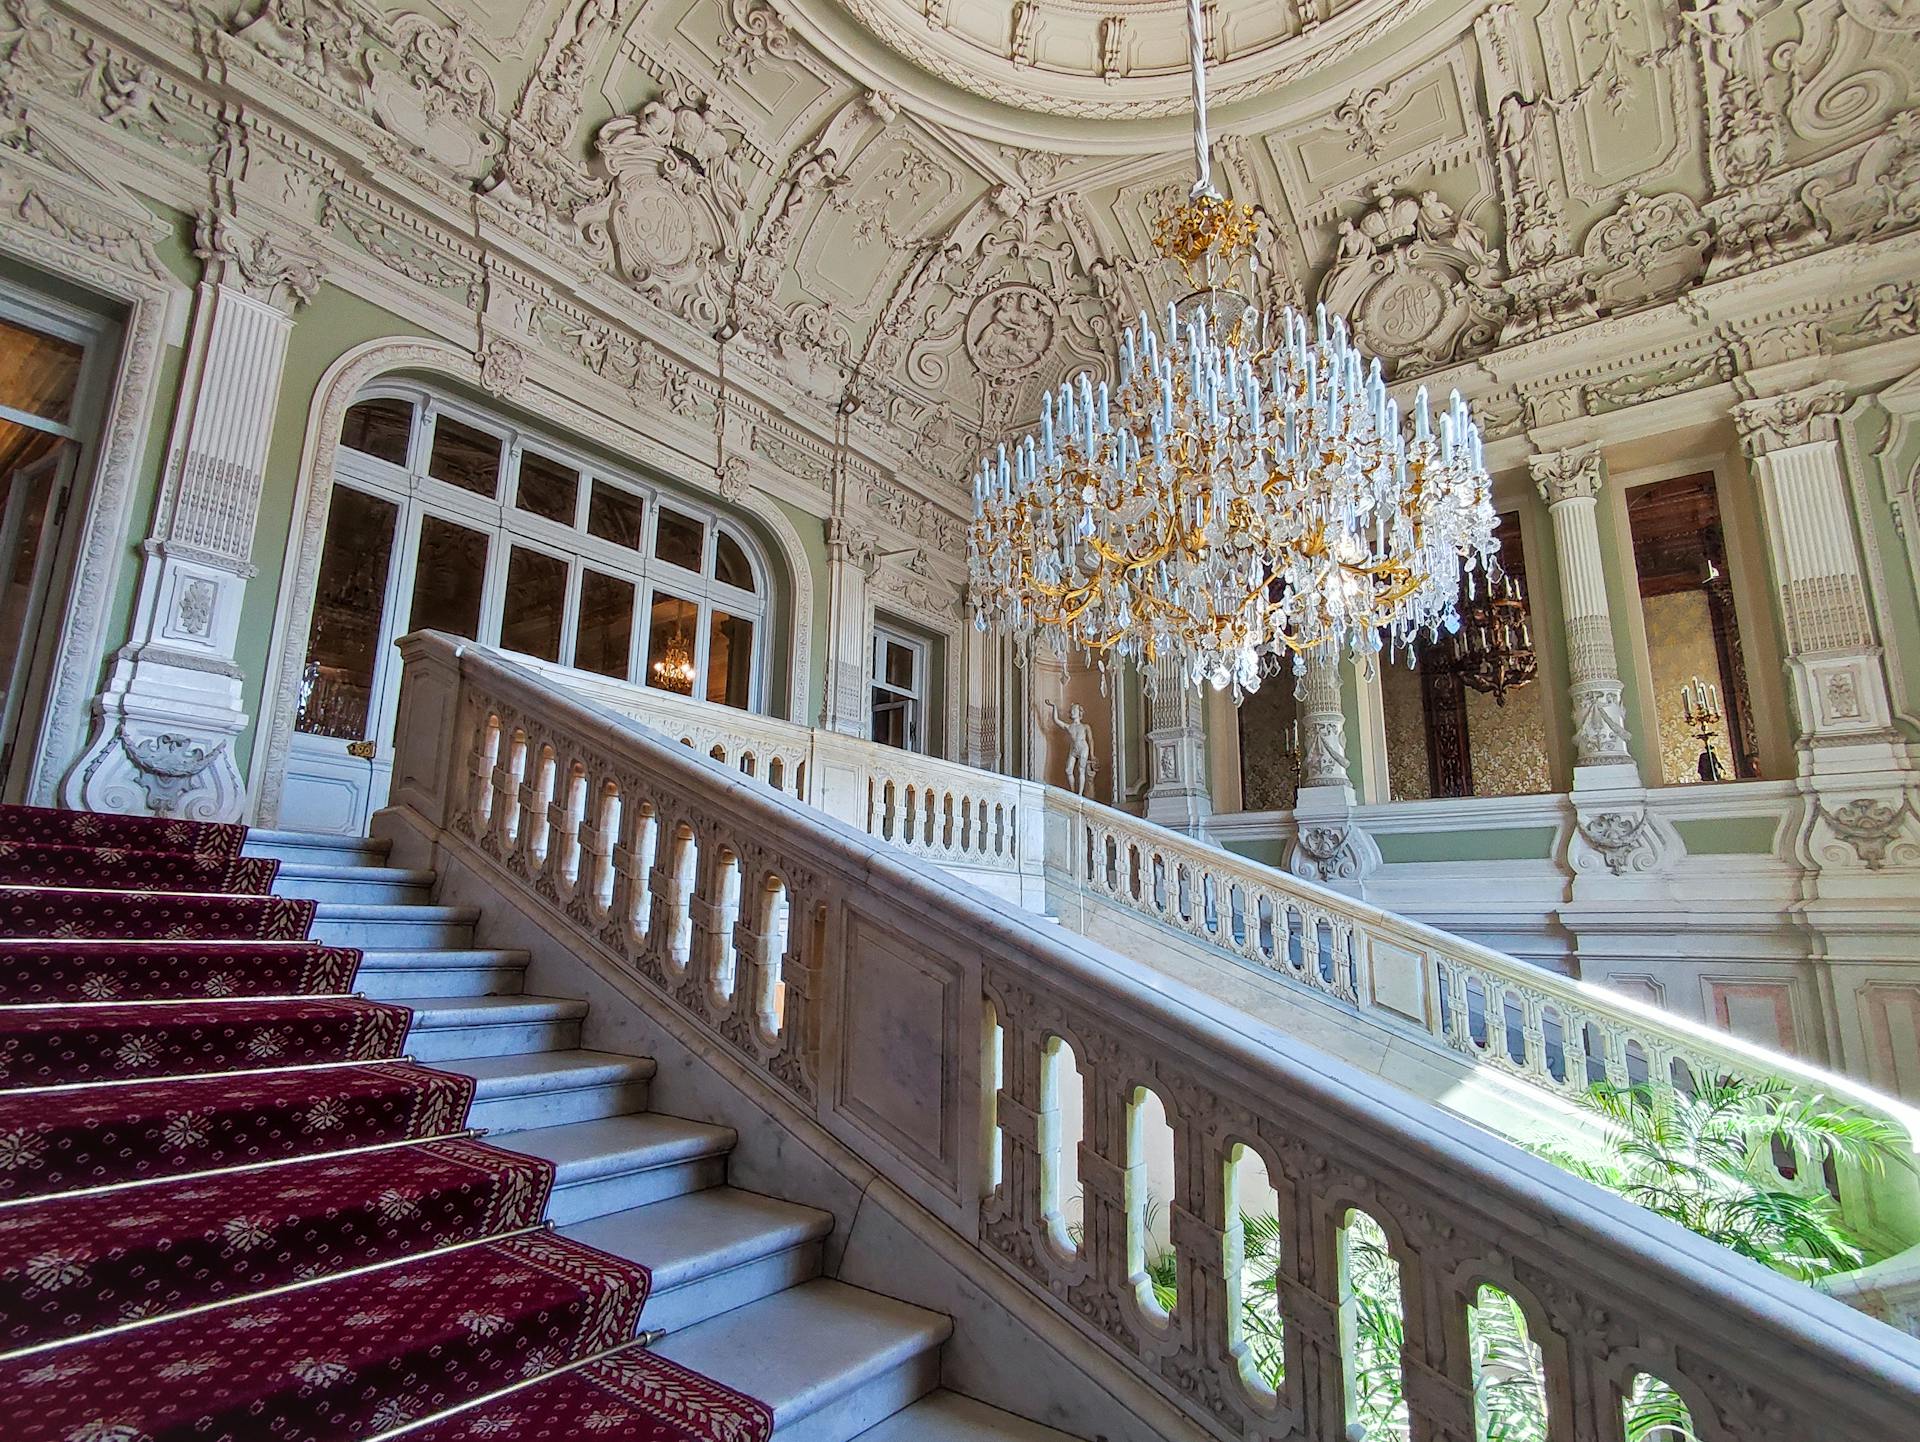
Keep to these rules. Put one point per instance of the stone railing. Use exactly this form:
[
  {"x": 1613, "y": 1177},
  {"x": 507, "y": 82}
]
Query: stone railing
[
  {"x": 983, "y": 824},
  {"x": 882, "y": 999},
  {"x": 1544, "y": 1030},
  {"x": 1050, "y": 849}
]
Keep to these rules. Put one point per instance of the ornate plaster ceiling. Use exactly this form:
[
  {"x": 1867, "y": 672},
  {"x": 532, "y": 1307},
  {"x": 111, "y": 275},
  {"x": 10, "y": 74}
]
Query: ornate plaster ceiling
[
  {"x": 1484, "y": 177},
  {"x": 1124, "y": 58}
]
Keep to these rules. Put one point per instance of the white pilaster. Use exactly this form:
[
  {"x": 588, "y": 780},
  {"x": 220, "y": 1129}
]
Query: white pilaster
[
  {"x": 1854, "y": 769},
  {"x": 1328, "y": 845},
  {"x": 852, "y": 563},
  {"x": 1614, "y": 839},
  {"x": 164, "y": 727}
]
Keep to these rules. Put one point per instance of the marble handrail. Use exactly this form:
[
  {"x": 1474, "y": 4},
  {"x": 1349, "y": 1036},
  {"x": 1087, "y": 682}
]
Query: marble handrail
[
  {"x": 880, "y": 997},
  {"x": 1487, "y": 1009}
]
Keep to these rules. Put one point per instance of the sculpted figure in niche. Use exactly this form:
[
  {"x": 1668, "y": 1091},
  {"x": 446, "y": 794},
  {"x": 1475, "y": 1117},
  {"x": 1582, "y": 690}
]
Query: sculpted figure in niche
[{"x": 1079, "y": 746}]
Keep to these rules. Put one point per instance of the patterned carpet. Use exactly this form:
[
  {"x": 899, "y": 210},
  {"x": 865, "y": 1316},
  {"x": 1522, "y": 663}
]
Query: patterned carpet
[{"x": 229, "y": 1210}]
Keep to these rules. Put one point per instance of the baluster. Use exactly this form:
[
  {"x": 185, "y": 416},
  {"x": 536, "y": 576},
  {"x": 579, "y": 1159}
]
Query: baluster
[
  {"x": 1309, "y": 1286},
  {"x": 1104, "y": 1172},
  {"x": 1436, "y": 1358},
  {"x": 1013, "y": 1218}
]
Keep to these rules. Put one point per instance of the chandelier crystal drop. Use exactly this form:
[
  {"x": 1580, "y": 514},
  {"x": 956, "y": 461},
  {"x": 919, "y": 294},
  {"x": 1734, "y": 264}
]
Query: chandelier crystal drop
[{"x": 1243, "y": 492}]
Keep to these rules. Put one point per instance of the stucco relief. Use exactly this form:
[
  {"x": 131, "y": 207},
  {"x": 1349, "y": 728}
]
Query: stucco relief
[{"x": 1416, "y": 280}]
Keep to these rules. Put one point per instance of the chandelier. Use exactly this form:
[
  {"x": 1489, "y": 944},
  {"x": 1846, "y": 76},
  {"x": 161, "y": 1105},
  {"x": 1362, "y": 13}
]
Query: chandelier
[
  {"x": 1243, "y": 492},
  {"x": 1492, "y": 652},
  {"x": 673, "y": 668}
]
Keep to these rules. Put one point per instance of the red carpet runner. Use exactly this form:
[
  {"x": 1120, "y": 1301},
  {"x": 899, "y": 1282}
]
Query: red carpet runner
[{"x": 228, "y": 1210}]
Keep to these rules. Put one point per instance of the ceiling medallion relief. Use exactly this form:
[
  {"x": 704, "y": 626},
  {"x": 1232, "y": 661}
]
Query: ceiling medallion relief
[
  {"x": 1122, "y": 58},
  {"x": 1010, "y": 330}
]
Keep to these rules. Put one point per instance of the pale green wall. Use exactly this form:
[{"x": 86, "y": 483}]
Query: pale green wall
[
  {"x": 1513, "y": 843},
  {"x": 1729, "y": 835}
]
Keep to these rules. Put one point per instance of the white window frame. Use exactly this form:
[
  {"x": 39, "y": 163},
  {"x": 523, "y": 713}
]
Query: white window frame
[
  {"x": 418, "y": 495},
  {"x": 884, "y": 636}
]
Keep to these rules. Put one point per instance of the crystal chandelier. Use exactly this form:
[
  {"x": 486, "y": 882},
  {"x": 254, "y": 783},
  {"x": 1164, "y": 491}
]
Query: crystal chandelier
[
  {"x": 1492, "y": 652},
  {"x": 673, "y": 668},
  {"x": 1242, "y": 493}
]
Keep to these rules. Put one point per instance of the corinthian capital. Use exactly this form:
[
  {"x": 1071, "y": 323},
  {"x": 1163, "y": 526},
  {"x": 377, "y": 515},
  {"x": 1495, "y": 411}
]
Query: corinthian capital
[
  {"x": 1568, "y": 475},
  {"x": 256, "y": 265},
  {"x": 1771, "y": 423}
]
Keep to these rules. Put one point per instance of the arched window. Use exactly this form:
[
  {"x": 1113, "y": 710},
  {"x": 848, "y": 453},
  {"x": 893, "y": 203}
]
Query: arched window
[{"x": 446, "y": 517}]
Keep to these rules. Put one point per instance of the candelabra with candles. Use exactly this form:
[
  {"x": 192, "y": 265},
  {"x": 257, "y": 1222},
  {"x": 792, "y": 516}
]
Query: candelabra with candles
[{"x": 1700, "y": 703}]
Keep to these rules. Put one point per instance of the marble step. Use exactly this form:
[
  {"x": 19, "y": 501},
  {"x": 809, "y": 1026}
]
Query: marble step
[
  {"x": 474, "y": 971},
  {"x": 446, "y": 1028},
  {"x": 613, "y": 1164},
  {"x": 711, "y": 1251},
  {"x": 368, "y": 885},
  {"x": 317, "y": 847},
  {"x": 949, "y": 1417},
  {"x": 532, "y": 1090},
  {"x": 391, "y": 928},
  {"x": 831, "y": 1360}
]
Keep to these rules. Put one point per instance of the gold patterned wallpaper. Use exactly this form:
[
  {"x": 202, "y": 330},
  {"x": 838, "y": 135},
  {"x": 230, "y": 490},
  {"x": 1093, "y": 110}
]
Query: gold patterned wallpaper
[
  {"x": 1405, "y": 713},
  {"x": 1269, "y": 777},
  {"x": 1508, "y": 744},
  {"x": 1680, "y": 647}
]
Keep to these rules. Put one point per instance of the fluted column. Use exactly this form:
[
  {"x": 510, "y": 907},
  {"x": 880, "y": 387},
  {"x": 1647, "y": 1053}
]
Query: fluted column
[
  {"x": 1570, "y": 483},
  {"x": 1323, "y": 727},
  {"x": 1328, "y": 845},
  {"x": 166, "y": 724},
  {"x": 1177, "y": 794},
  {"x": 1614, "y": 839},
  {"x": 1854, "y": 768}
]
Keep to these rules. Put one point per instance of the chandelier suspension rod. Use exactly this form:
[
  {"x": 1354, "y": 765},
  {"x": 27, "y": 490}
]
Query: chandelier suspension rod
[{"x": 1197, "y": 60}]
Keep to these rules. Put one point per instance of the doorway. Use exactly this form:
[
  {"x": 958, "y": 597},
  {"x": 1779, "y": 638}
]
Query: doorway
[{"x": 43, "y": 360}]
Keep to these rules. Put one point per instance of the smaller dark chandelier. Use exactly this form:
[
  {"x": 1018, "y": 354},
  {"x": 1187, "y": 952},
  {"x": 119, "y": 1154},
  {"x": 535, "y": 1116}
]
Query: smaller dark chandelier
[{"x": 1492, "y": 652}]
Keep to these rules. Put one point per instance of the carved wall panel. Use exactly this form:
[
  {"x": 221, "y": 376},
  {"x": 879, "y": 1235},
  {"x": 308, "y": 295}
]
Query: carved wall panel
[{"x": 1622, "y": 80}]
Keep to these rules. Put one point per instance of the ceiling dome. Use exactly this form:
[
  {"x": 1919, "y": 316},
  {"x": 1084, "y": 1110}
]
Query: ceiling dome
[{"x": 1121, "y": 58}]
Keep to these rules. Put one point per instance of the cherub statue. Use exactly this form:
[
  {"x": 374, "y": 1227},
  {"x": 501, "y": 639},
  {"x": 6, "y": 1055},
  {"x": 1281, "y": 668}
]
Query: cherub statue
[{"x": 1079, "y": 746}]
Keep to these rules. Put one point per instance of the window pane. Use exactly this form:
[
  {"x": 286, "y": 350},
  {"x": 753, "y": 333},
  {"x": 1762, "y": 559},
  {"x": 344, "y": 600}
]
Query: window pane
[
  {"x": 615, "y": 515},
  {"x": 730, "y": 660},
  {"x": 547, "y": 488},
  {"x": 348, "y": 606},
  {"x": 38, "y": 373},
  {"x": 536, "y": 601},
  {"x": 670, "y": 640},
  {"x": 379, "y": 428},
  {"x": 899, "y": 666},
  {"x": 448, "y": 579},
  {"x": 606, "y": 625},
  {"x": 679, "y": 540},
  {"x": 730, "y": 563},
  {"x": 894, "y": 720},
  {"x": 465, "y": 457}
]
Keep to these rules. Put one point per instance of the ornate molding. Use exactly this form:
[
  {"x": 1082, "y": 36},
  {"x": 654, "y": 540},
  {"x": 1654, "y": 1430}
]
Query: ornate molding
[
  {"x": 1796, "y": 418},
  {"x": 1626, "y": 840},
  {"x": 1569, "y": 475},
  {"x": 256, "y": 264}
]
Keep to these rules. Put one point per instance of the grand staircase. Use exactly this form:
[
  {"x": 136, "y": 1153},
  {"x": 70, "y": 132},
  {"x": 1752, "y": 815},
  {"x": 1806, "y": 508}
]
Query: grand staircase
[{"x": 223, "y": 1283}]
